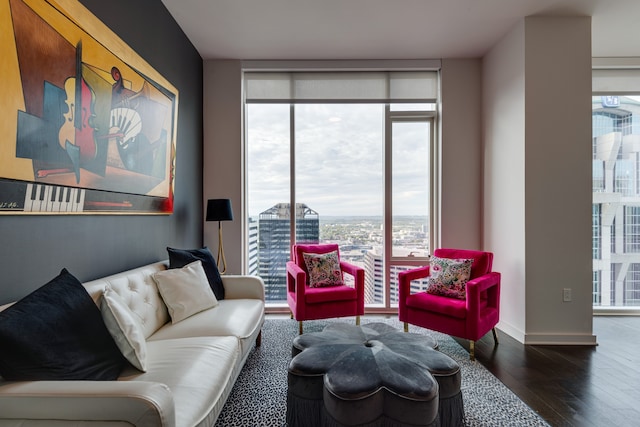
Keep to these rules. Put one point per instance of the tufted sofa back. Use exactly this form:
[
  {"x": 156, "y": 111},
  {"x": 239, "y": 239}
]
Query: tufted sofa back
[{"x": 139, "y": 291}]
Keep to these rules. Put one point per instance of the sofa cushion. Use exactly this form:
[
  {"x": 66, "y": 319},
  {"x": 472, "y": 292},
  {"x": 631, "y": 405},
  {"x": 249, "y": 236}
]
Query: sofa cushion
[
  {"x": 232, "y": 317},
  {"x": 198, "y": 371},
  {"x": 125, "y": 328},
  {"x": 185, "y": 290},
  {"x": 178, "y": 258},
  {"x": 57, "y": 333}
]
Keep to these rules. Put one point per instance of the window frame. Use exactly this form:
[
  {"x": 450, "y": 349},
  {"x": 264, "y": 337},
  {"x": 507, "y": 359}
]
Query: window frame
[
  {"x": 622, "y": 123},
  {"x": 431, "y": 117}
]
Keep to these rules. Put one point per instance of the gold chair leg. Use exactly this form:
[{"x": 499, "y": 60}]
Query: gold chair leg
[
  {"x": 300, "y": 327},
  {"x": 495, "y": 335},
  {"x": 357, "y": 320},
  {"x": 291, "y": 313},
  {"x": 406, "y": 327},
  {"x": 472, "y": 350}
]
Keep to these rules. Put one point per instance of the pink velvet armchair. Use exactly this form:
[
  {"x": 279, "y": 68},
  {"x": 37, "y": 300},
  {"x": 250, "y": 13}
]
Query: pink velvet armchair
[
  {"x": 312, "y": 303},
  {"x": 469, "y": 318}
]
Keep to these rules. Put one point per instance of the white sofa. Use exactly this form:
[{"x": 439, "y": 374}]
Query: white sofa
[{"x": 191, "y": 365}]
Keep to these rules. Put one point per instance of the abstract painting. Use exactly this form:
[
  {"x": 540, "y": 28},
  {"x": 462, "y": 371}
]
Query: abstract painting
[{"x": 87, "y": 125}]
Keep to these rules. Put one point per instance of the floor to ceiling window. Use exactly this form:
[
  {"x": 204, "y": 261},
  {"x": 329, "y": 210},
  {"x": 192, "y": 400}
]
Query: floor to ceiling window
[
  {"x": 616, "y": 201},
  {"x": 353, "y": 154}
]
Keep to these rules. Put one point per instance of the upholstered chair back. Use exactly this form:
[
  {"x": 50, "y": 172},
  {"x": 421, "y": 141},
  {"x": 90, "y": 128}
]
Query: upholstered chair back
[
  {"x": 300, "y": 249},
  {"x": 482, "y": 261}
]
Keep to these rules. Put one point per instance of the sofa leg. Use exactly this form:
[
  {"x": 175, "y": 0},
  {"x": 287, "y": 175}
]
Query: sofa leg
[
  {"x": 300, "y": 327},
  {"x": 259, "y": 339},
  {"x": 406, "y": 326},
  {"x": 357, "y": 320},
  {"x": 472, "y": 350},
  {"x": 495, "y": 336}
]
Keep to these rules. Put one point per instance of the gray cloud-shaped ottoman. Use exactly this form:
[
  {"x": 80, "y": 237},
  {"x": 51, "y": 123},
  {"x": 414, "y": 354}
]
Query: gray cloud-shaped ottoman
[{"x": 371, "y": 375}]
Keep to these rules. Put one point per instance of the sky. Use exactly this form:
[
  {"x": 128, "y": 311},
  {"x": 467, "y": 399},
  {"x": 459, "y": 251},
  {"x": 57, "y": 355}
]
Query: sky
[{"x": 339, "y": 160}]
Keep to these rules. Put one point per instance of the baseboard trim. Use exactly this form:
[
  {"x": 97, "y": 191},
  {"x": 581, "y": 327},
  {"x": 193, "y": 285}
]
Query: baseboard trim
[
  {"x": 510, "y": 330},
  {"x": 546, "y": 339},
  {"x": 560, "y": 339}
]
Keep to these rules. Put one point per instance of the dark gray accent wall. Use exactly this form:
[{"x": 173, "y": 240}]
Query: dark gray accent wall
[{"x": 33, "y": 249}]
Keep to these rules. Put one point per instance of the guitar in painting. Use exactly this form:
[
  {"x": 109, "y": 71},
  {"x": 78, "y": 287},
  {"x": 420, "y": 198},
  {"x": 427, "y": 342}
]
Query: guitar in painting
[{"x": 77, "y": 135}]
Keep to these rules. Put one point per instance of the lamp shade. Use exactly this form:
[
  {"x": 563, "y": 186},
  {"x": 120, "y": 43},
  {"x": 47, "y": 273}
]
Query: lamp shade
[{"x": 219, "y": 210}]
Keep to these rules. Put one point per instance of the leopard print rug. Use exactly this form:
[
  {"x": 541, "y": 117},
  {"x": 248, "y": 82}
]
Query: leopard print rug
[{"x": 259, "y": 396}]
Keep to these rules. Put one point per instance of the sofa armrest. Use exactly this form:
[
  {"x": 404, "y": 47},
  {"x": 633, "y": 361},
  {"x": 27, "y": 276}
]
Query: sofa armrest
[
  {"x": 243, "y": 287},
  {"x": 139, "y": 403}
]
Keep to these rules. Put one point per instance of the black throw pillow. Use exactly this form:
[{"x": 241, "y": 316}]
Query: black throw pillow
[
  {"x": 178, "y": 258},
  {"x": 57, "y": 333}
]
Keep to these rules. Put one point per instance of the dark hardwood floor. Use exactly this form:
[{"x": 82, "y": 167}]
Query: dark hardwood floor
[{"x": 574, "y": 385}]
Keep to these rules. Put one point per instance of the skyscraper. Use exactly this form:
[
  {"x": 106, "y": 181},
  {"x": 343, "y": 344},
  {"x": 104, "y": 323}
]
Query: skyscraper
[{"x": 274, "y": 244}]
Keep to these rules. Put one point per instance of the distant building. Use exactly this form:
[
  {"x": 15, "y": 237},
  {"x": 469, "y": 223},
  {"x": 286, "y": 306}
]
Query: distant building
[
  {"x": 252, "y": 262},
  {"x": 374, "y": 279},
  {"x": 274, "y": 244}
]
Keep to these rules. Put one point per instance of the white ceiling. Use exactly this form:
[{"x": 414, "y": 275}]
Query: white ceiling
[{"x": 387, "y": 29}]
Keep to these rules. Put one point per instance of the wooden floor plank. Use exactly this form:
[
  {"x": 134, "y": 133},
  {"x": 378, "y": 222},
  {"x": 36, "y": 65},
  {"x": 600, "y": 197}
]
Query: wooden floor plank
[{"x": 579, "y": 386}]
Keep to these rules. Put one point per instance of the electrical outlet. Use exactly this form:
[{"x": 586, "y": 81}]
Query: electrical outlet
[{"x": 566, "y": 295}]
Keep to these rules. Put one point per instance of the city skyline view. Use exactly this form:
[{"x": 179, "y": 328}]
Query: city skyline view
[
  {"x": 360, "y": 239},
  {"x": 342, "y": 160},
  {"x": 339, "y": 159}
]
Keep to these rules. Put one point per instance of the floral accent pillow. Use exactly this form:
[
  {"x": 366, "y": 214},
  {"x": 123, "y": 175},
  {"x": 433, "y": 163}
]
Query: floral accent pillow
[
  {"x": 449, "y": 277},
  {"x": 324, "y": 269}
]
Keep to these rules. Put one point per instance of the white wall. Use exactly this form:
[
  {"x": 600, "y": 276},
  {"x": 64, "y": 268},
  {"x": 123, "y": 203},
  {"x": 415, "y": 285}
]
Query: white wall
[
  {"x": 461, "y": 175},
  {"x": 515, "y": 170},
  {"x": 222, "y": 155},
  {"x": 558, "y": 178},
  {"x": 461, "y": 130},
  {"x": 537, "y": 136},
  {"x": 504, "y": 169}
]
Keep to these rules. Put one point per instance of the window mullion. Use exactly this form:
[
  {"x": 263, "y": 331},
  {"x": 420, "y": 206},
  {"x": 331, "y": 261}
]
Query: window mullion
[{"x": 292, "y": 176}]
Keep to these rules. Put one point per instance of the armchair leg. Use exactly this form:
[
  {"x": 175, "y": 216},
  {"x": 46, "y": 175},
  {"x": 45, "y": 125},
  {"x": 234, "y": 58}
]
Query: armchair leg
[
  {"x": 357, "y": 320},
  {"x": 291, "y": 314},
  {"x": 300, "y": 327},
  {"x": 472, "y": 344},
  {"x": 406, "y": 327}
]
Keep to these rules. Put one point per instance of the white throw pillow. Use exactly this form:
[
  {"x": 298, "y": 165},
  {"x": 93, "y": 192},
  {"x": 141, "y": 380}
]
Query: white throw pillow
[
  {"x": 125, "y": 328},
  {"x": 185, "y": 290}
]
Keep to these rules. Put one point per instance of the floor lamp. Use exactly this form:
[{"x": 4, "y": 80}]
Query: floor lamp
[{"x": 220, "y": 210}]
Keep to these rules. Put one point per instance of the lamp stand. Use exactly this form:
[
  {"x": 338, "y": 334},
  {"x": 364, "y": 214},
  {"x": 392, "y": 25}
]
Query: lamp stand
[{"x": 221, "y": 251}]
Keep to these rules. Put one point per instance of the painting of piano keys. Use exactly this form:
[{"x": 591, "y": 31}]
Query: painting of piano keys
[{"x": 88, "y": 126}]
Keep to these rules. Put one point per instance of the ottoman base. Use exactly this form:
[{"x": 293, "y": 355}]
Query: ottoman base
[
  {"x": 371, "y": 376},
  {"x": 311, "y": 412},
  {"x": 451, "y": 410}
]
